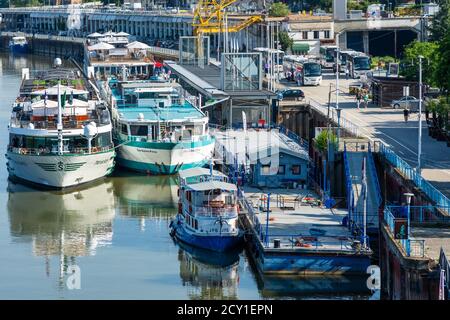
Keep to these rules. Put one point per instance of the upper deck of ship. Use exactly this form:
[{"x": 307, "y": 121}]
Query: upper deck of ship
[
  {"x": 132, "y": 106},
  {"x": 112, "y": 50},
  {"x": 36, "y": 106}
]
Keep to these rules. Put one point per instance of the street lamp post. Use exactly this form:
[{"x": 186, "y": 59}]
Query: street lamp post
[
  {"x": 337, "y": 70},
  {"x": 267, "y": 219},
  {"x": 419, "y": 151},
  {"x": 408, "y": 196},
  {"x": 338, "y": 111}
]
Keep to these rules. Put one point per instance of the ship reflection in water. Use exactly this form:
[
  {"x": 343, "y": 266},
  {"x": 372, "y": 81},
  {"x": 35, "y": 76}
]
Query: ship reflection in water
[
  {"x": 209, "y": 275},
  {"x": 144, "y": 197},
  {"x": 314, "y": 287},
  {"x": 63, "y": 226},
  {"x": 67, "y": 224}
]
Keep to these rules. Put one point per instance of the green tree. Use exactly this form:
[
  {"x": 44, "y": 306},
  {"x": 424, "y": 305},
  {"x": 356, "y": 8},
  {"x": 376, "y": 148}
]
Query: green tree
[
  {"x": 442, "y": 73},
  {"x": 430, "y": 52},
  {"x": 279, "y": 9},
  {"x": 441, "y": 21},
  {"x": 320, "y": 4},
  {"x": 285, "y": 41},
  {"x": 322, "y": 140}
]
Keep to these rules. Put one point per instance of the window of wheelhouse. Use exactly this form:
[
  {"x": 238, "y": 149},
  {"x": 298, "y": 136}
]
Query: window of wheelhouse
[
  {"x": 139, "y": 130},
  {"x": 102, "y": 140},
  {"x": 124, "y": 129}
]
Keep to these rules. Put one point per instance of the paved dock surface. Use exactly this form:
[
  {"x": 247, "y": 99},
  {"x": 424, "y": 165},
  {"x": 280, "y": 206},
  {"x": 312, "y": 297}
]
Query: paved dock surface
[
  {"x": 290, "y": 225},
  {"x": 389, "y": 125}
]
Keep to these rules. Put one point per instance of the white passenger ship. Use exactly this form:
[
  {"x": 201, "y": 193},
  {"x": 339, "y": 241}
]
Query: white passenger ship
[{"x": 60, "y": 133}]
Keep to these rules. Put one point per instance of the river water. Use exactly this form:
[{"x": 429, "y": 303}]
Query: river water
[{"x": 115, "y": 234}]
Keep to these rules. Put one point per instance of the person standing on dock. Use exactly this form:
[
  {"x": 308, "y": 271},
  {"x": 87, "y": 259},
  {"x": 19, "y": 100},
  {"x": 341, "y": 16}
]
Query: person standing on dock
[{"x": 406, "y": 114}]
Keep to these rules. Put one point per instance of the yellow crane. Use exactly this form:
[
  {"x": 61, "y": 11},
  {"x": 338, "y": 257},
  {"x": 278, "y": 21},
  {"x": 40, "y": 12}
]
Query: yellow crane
[{"x": 209, "y": 14}]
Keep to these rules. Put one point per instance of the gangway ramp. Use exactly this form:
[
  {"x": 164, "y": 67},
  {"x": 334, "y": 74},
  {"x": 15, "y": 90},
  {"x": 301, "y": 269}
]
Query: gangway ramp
[{"x": 355, "y": 155}]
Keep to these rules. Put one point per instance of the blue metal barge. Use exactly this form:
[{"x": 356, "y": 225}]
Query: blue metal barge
[{"x": 297, "y": 237}]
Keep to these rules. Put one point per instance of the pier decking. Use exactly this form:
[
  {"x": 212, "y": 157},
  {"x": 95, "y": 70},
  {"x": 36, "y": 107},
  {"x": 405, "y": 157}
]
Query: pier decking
[{"x": 301, "y": 237}]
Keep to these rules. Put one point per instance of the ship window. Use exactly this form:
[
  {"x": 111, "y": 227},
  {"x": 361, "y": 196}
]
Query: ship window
[
  {"x": 124, "y": 129},
  {"x": 296, "y": 169},
  {"x": 196, "y": 224},
  {"x": 229, "y": 200},
  {"x": 265, "y": 169},
  {"x": 198, "y": 129},
  {"x": 281, "y": 169},
  {"x": 103, "y": 140},
  {"x": 139, "y": 130}
]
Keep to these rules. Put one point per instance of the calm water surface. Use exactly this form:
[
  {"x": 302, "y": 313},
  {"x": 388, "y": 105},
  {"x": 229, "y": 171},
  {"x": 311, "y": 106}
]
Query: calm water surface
[{"x": 116, "y": 231}]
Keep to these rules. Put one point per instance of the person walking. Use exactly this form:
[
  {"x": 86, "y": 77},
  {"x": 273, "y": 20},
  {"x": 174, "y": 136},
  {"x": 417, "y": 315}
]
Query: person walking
[
  {"x": 406, "y": 114},
  {"x": 366, "y": 100},
  {"x": 358, "y": 98}
]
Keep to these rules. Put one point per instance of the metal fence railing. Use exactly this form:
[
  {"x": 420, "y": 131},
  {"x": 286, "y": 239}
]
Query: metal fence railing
[
  {"x": 445, "y": 266},
  {"x": 411, "y": 247},
  {"x": 344, "y": 123},
  {"x": 292, "y": 135},
  {"x": 411, "y": 174},
  {"x": 423, "y": 214},
  {"x": 349, "y": 189},
  {"x": 373, "y": 172}
]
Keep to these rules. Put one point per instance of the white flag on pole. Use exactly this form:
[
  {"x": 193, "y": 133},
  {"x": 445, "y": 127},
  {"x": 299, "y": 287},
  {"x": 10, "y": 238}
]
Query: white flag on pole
[{"x": 442, "y": 285}]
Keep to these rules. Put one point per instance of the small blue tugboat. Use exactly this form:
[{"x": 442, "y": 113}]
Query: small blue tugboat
[
  {"x": 18, "y": 44},
  {"x": 207, "y": 211}
]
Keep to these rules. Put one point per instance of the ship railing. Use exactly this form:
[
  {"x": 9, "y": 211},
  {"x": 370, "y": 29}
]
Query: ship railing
[
  {"x": 190, "y": 139},
  {"x": 202, "y": 211},
  {"x": 68, "y": 151},
  {"x": 322, "y": 243},
  {"x": 396, "y": 225},
  {"x": 179, "y": 101}
]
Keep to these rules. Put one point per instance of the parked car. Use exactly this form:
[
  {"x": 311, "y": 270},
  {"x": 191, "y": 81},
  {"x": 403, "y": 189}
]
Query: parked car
[
  {"x": 410, "y": 102},
  {"x": 295, "y": 94}
]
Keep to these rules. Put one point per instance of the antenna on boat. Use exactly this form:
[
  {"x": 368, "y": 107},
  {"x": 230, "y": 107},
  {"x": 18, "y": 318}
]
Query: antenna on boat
[
  {"x": 211, "y": 164},
  {"x": 60, "y": 125}
]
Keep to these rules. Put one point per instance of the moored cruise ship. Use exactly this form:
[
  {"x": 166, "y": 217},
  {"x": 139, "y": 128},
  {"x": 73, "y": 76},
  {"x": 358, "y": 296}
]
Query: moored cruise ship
[
  {"x": 60, "y": 133},
  {"x": 157, "y": 130}
]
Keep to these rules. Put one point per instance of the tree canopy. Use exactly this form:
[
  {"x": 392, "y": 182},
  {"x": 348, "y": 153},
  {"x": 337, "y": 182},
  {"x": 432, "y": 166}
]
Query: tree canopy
[
  {"x": 279, "y": 9},
  {"x": 285, "y": 41},
  {"x": 430, "y": 52},
  {"x": 440, "y": 23}
]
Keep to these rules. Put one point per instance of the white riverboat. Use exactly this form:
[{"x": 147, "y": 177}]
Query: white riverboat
[
  {"x": 208, "y": 211},
  {"x": 60, "y": 132},
  {"x": 157, "y": 130}
]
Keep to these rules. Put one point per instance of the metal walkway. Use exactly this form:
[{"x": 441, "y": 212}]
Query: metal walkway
[{"x": 354, "y": 156}]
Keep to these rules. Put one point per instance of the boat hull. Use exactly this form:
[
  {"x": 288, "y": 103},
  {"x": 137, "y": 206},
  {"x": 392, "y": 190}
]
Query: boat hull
[
  {"x": 60, "y": 171},
  {"x": 164, "y": 158},
  {"x": 213, "y": 243},
  {"x": 18, "y": 48}
]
